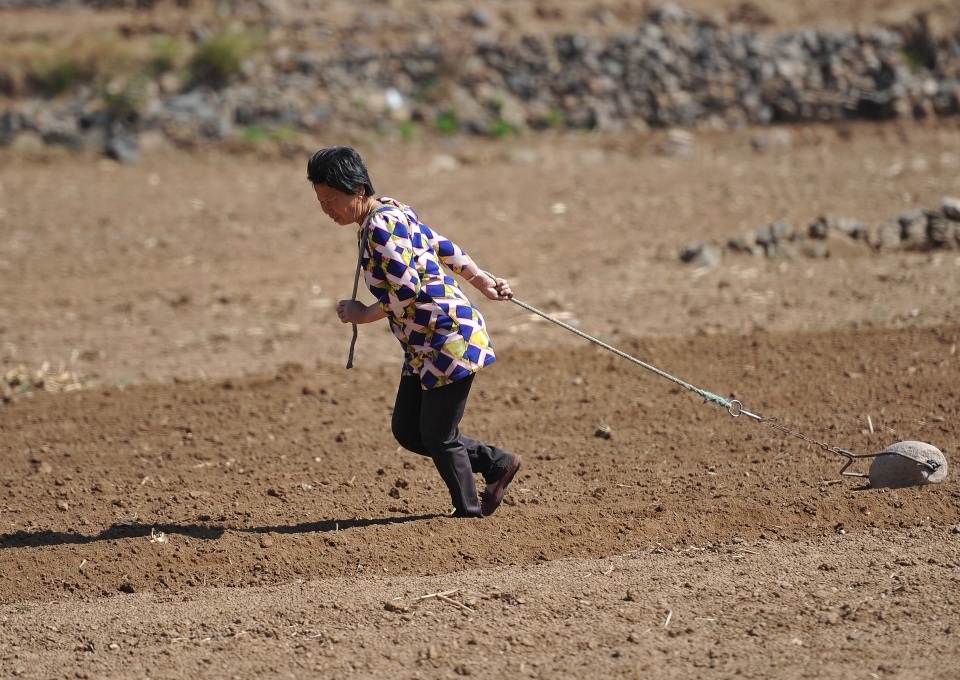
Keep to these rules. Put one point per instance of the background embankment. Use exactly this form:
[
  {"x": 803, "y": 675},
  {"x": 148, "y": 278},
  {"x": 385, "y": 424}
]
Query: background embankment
[{"x": 277, "y": 72}]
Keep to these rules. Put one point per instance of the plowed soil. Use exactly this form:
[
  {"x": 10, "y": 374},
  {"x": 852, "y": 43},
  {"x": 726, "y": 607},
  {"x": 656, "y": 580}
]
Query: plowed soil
[{"x": 209, "y": 491}]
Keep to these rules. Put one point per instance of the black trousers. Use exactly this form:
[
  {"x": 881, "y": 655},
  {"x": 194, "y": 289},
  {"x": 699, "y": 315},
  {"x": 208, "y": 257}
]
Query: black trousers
[{"x": 428, "y": 422}]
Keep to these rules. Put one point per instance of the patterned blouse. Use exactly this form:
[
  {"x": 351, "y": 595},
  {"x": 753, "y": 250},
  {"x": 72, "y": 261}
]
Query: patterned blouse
[{"x": 443, "y": 335}]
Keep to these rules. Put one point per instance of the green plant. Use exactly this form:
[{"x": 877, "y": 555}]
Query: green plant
[
  {"x": 220, "y": 57},
  {"x": 21, "y": 607},
  {"x": 56, "y": 68},
  {"x": 166, "y": 52},
  {"x": 408, "y": 130},
  {"x": 123, "y": 98},
  {"x": 53, "y": 64},
  {"x": 447, "y": 122},
  {"x": 554, "y": 117},
  {"x": 255, "y": 134},
  {"x": 501, "y": 128},
  {"x": 261, "y": 134},
  {"x": 914, "y": 60},
  {"x": 54, "y": 72},
  {"x": 431, "y": 90}
]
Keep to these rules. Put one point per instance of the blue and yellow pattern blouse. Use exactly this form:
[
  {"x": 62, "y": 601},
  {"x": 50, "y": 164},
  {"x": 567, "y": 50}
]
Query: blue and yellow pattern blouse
[{"x": 443, "y": 335}]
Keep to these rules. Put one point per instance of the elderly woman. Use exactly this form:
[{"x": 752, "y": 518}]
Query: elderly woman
[{"x": 443, "y": 335}]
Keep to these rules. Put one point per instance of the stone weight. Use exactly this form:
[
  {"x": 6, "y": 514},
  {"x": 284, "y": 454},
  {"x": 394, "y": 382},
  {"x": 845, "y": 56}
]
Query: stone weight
[{"x": 908, "y": 464}]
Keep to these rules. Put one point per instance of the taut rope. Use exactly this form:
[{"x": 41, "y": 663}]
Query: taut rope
[{"x": 733, "y": 406}]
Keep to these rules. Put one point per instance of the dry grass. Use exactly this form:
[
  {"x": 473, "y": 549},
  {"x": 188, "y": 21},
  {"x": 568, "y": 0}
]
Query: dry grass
[{"x": 53, "y": 52}]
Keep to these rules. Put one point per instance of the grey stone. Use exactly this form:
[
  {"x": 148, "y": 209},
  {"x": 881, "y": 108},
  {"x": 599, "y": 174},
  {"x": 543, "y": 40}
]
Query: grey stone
[
  {"x": 818, "y": 228},
  {"x": 122, "y": 144},
  {"x": 772, "y": 233},
  {"x": 822, "y": 226},
  {"x": 914, "y": 229},
  {"x": 908, "y": 463},
  {"x": 745, "y": 242},
  {"x": 941, "y": 231},
  {"x": 948, "y": 205},
  {"x": 907, "y": 218},
  {"x": 780, "y": 231},
  {"x": 816, "y": 249},
  {"x": 889, "y": 236},
  {"x": 10, "y": 125},
  {"x": 480, "y": 17},
  {"x": 678, "y": 143},
  {"x": 701, "y": 254}
]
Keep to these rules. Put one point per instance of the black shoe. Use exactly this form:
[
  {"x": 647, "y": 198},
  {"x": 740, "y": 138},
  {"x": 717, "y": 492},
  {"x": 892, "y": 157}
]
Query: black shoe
[{"x": 492, "y": 496}]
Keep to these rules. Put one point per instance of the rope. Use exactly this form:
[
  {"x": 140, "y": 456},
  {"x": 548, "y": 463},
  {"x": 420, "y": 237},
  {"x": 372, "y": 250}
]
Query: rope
[
  {"x": 733, "y": 406},
  {"x": 708, "y": 397},
  {"x": 356, "y": 284}
]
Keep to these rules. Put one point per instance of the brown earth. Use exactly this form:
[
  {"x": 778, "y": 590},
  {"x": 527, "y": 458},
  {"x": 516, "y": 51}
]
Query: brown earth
[
  {"x": 371, "y": 19},
  {"x": 211, "y": 493}
]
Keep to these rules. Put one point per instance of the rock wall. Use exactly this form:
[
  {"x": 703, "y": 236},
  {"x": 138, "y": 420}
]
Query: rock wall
[
  {"x": 676, "y": 69},
  {"x": 922, "y": 230}
]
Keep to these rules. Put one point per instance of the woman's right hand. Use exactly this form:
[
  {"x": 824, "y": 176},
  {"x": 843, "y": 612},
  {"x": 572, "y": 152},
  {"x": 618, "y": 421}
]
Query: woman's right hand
[{"x": 351, "y": 311}]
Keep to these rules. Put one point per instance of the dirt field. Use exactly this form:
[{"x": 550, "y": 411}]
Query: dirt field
[
  {"x": 212, "y": 494},
  {"x": 192, "y": 298}
]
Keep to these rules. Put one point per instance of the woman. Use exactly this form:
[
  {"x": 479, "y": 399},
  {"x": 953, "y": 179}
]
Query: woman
[{"x": 443, "y": 335}]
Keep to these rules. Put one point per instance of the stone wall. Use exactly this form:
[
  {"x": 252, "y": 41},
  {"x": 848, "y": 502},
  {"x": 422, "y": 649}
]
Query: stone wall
[
  {"x": 923, "y": 230},
  {"x": 676, "y": 69}
]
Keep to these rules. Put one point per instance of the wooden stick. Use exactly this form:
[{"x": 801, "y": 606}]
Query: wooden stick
[
  {"x": 455, "y": 603},
  {"x": 445, "y": 596},
  {"x": 445, "y": 593}
]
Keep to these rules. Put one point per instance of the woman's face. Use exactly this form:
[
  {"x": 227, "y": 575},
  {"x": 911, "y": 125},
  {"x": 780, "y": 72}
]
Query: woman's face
[{"x": 340, "y": 207}]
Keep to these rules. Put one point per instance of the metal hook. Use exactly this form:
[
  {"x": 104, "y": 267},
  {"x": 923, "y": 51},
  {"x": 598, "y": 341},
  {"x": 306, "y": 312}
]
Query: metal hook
[
  {"x": 735, "y": 409},
  {"x": 930, "y": 464},
  {"x": 850, "y": 458}
]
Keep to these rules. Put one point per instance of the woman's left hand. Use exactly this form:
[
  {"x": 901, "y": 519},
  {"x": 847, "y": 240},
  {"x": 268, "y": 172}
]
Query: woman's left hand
[{"x": 495, "y": 289}]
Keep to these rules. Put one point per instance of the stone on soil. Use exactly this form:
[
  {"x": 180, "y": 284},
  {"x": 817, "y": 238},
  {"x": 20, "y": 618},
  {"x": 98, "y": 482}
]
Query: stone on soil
[{"x": 908, "y": 464}]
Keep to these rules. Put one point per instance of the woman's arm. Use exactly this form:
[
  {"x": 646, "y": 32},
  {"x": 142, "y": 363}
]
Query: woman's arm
[
  {"x": 455, "y": 259},
  {"x": 450, "y": 254},
  {"x": 391, "y": 256}
]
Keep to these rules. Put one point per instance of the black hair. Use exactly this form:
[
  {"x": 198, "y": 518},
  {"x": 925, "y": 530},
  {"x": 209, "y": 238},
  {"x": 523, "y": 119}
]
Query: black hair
[{"x": 340, "y": 168}]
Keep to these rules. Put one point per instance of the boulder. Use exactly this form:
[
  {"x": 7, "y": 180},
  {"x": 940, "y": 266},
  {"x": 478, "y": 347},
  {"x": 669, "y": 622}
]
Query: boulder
[{"x": 908, "y": 463}]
